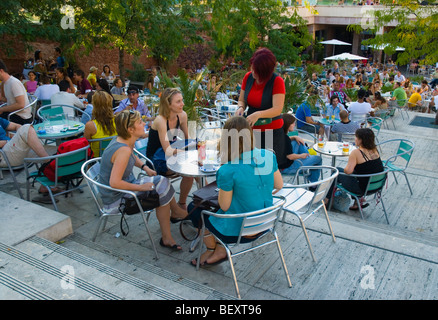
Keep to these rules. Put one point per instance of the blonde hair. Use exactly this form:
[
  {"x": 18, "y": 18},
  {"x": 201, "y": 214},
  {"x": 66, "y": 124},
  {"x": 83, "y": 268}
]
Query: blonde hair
[
  {"x": 103, "y": 111},
  {"x": 166, "y": 100},
  {"x": 125, "y": 120}
]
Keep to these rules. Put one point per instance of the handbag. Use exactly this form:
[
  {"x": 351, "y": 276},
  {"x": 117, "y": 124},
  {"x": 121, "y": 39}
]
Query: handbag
[
  {"x": 148, "y": 200},
  {"x": 205, "y": 198}
]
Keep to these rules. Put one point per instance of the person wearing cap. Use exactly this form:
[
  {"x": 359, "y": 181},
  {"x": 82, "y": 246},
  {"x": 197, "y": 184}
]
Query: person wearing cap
[
  {"x": 133, "y": 102},
  {"x": 92, "y": 77}
]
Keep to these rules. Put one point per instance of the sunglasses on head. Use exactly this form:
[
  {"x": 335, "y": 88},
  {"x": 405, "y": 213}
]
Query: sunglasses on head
[
  {"x": 132, "y": 92},
  {"x": 131, "y": 112}
]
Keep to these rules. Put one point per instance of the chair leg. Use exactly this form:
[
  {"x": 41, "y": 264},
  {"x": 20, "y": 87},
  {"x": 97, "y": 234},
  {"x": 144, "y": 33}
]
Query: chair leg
[
  {"x": 146, "y": 224},
  {"x": 282, "y": 261},
  {"x": 102, "y": 218},
  {"x": 384, "y": 209},
  {"x": 395, "y": 178},
  {"x": 236, "y": 287},
  {"x": 328, "y": 222},
  {"x": 53, "y": 198},
  {"x": 307, "y": 239},
  {"x": 407, "y": 181}
]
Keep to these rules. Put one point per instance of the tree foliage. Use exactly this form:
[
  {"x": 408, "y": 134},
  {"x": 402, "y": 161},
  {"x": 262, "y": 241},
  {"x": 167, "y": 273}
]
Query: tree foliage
[{"x": 406, "y": 24}]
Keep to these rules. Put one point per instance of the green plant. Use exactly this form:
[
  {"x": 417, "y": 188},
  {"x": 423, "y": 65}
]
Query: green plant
[
  {"x": 138, "y": 72},
  {"x": 314, "y": 68},
  {"x": 190, "y": 91},
  {"x": 295, "y": 92},
  {"x": 351, "y": 93}
]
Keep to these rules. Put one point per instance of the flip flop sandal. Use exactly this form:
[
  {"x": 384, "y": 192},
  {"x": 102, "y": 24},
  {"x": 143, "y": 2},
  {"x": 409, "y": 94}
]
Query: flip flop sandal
[
  {"x": 175, "y": 247},
  {"x": 194, "y": 262}
]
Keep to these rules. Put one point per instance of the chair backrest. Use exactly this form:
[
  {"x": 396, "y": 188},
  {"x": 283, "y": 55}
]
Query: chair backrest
[
  {"x": 346, "y": 137},
  {"x": 321, "y": 186},
  {"x": 60, "y": 111},
  {"x": 141, "y": 145},
  {"x": 90, "y": 171},
  {"x": 261, "y": 220},
  {"x": 375, "y": 123},
  {"x": 403, "y": 153},
  {"x": 32, "y": 105},
  {"x": 359, "y": 117},
  {"x": 376, "y": 182},
  {"x": 102, "y": 143},
  {"x": 70, "y": 163}
]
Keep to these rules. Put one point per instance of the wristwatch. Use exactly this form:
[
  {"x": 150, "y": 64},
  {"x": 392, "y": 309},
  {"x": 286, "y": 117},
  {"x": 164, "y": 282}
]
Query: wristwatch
[
  {"x": 152, "y": 187},
  {"x": 142, "y": 166}
]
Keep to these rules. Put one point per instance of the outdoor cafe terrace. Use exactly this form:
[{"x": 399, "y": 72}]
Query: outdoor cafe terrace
[{"x": 402, "y": 254}]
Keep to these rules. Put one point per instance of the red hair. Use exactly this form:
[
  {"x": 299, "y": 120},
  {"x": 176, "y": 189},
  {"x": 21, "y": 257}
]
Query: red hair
[{"x": 263, "y": 63}]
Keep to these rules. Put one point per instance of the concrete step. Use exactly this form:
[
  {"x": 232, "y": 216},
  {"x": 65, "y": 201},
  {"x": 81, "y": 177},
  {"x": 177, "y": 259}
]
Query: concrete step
[{"x": 40, "y": 269}]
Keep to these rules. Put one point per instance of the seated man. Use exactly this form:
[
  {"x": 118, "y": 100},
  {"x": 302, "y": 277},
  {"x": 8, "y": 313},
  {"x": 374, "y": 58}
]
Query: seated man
[
  {"x": 415, "y": 99},
  {"x": 133, "y": 102},
  {"x": 399, "y": 94},
  {"x": 18, "y": 147},
  {"x": 360, "y": 108},
  {"x": 334, "y": 108},
  {"x": 84, "y": 87},
  {"x": 15, "y": 95},
  {"x": 306, "y": 122},
  {"x": 345, "y": 126},
  {"x": 47, "y": 89},
  {"x": 65, "y": 97}
]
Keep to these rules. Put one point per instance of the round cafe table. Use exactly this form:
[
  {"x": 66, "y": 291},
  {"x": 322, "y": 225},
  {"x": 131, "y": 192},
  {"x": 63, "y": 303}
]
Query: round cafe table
[
  {"x": 59, "y": 129},
  {"x": 186, "y": 164},
  {"x": 329, "y": 122},
  {"x": 332, "y": 149}
]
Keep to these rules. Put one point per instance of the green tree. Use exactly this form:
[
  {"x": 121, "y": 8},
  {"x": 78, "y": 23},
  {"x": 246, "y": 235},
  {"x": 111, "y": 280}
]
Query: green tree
[
  {"x": 406, "y": 24},
  {"x": 237, "y": 28}
]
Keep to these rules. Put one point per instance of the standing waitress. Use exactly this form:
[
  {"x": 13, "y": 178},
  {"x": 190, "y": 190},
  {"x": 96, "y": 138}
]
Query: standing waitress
[{"x": 264, "y": 92}]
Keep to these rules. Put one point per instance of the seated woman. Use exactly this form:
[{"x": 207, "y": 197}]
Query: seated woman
[
  {"x": 116, "y": 168},
  {"x": 380, "y": 103},
  {"x": 102, "y": 124},
  {"x": 247, "y": 173},
  {"x": 295, "y": 149},
  {"x": 363, "y": 160},
  {"x": 32, "y": 84},
  {"x": 107, "y": 74},
  {"x": 167, "y": 126}
]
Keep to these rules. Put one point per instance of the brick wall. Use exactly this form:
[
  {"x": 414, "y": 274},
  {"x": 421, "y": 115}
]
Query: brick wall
[{"x": 98, "y": 57}]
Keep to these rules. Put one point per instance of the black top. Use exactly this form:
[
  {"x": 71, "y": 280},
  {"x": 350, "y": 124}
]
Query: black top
[
  {"x": 154, "y": 140},
  {"x": 368, "y": 167},
  {"x": 286, "y": 163}
]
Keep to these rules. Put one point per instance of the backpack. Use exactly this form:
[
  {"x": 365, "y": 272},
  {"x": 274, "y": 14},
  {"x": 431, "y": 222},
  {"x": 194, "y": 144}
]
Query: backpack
[{"x": 48, "y": 168}]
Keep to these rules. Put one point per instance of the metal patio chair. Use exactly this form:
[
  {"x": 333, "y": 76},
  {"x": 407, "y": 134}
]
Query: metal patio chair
[
  {"x": 260, "y": 223},
  {"x": 304, "y": 203},
  {"x": 90, "y": 171}
]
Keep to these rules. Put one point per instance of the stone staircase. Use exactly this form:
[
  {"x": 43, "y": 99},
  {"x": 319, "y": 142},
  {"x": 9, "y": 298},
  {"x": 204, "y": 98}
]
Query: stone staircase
[{"x": 43, "y": 268}]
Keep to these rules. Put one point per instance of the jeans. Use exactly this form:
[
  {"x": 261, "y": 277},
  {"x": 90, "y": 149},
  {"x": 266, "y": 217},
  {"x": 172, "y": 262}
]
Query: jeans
[{"x": 309, "y": 161}]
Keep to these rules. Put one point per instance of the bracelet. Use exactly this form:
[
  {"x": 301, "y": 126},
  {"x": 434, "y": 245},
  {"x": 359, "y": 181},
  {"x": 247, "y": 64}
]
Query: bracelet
[{"x": 143, "y": 166}]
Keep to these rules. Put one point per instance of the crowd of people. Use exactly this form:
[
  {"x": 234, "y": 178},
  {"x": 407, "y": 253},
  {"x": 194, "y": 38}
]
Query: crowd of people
[{"x": 259, "y": 119}]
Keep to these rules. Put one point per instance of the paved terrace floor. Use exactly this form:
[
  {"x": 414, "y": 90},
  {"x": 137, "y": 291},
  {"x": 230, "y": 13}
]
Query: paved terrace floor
[{"x": 370, "y": 259}]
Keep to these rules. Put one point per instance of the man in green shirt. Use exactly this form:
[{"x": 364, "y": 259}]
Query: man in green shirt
[{"x": 399, "y": 94}]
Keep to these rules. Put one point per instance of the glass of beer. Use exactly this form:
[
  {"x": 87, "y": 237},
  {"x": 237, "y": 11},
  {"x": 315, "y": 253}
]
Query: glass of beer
[
  {"x": 345, "y": 148},
  {"x": 320, "y": 143}
]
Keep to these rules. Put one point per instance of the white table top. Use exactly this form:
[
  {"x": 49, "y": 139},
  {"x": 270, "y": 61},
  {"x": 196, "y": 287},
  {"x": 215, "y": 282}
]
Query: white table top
[
  {"x": 186, "y": 164},
  {"x": 332, "y": 148}
]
